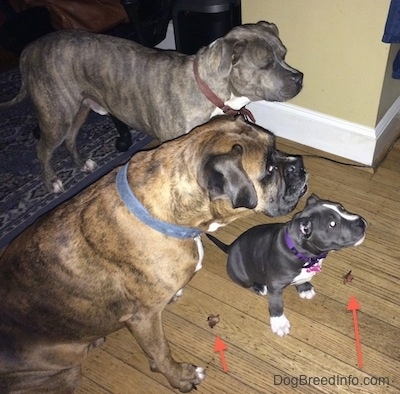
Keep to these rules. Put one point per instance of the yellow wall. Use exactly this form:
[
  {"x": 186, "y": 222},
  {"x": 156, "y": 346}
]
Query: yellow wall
[{"x": 338, "y": 46}]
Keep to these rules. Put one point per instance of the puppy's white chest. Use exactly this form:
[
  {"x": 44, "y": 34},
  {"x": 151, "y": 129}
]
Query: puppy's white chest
[{"x": 306, "y": 274}]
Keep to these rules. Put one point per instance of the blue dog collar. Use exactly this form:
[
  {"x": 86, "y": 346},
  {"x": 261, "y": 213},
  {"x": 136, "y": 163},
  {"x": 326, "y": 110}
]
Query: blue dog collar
[
  {"x": 137, "y": 209},
  {"x": 309, "y": 261}
]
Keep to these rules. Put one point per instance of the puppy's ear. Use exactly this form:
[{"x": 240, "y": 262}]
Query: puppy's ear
[
  {"x": 312, "y": 199},
  {"x": 231, "y": 51},
  {"x": 306, "y": 227},
  {"x": 225, "y": 177}
]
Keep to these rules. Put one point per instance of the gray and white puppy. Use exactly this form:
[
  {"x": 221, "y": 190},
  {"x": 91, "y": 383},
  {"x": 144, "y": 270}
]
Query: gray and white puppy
[
  {"x": 270, "y": 257},
  {"x": 69, "y": 73}
]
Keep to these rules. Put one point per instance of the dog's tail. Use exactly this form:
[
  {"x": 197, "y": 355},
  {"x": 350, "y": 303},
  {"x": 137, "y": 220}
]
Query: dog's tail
[
  {"x": 22, "y": 95},
  {"x": 219, "y": 243}
]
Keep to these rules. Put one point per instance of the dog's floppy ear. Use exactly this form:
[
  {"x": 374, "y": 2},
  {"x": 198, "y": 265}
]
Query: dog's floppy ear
[
  {"x": 224, "y": 176},
  {"x": 306, "y": 227},
  {"x": 231, "y": 52}
]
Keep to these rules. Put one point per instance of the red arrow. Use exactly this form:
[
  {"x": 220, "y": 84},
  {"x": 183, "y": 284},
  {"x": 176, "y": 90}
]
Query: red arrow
[
  {"x": 220, "y": 346},
  {"x": 354, "y": 306}
]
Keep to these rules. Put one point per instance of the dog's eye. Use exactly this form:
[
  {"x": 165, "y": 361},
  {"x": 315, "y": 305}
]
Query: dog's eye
[
  {"x": 271, "y": 169},
  {"x": 332, "y": 224}
]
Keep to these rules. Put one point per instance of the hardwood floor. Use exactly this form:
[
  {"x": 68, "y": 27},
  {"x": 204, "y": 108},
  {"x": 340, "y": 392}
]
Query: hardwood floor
[{"x": 321, "y": 346}]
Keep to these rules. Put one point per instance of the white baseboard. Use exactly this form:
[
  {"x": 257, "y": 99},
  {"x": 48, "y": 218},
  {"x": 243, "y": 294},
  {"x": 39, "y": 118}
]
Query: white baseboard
[
  {"x": 336, "y": 136},
  {"x": 387, "y": 131}
]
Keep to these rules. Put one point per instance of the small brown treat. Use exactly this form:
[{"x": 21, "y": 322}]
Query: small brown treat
[
  {"x": 347, "y": 278},
  {"x": 213, "y": 320}
]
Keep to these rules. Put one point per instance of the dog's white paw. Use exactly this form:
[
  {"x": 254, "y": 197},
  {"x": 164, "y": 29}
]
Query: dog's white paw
[
  {"x": 280, "y": 325},
  {"x": 89, "y": 166},
  {"x": 57, "y": 186},
  {"x": 307, "y": 294},
  {"x": 263, "y": 291},
  {"x": 201, "y": 373},
  {"x": 259, "y": 289},
  {"x": 178, "y": 294}
]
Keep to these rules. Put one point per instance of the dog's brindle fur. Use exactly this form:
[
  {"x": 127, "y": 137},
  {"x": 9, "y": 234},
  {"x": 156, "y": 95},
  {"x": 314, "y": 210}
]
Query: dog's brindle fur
[
  {"x": 67, "y": 73},
  {"x": 89, "y": 267}
]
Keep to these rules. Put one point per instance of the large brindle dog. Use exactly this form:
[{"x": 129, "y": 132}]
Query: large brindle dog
[
  {"x": 117, "y": 253},
  {"x": 162, "y": 93}
]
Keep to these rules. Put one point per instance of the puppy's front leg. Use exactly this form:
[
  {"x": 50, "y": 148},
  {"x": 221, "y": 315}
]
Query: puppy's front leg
[
  {"x": 306, "y": 290},
  {"x": 279, "y": 323},
  {"x": 149, "y": 333}
]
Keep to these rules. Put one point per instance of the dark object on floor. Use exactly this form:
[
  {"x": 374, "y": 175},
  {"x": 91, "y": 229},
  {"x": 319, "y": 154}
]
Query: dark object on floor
[
  {"x": 149, "y": 18},
  {"x": 23, "y": 27},
  {"x": 143, "y": 21},
  {"x": 348, "y": 278},
  {"x": 197, "y": 23},
  {"x": 213, "y": 320},
  {"x": 23, "y": 195}
]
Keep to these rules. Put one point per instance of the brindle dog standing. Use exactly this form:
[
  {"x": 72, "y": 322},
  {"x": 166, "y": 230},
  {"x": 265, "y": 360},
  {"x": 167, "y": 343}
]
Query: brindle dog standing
[
  {"x": 67, "y": 73},
  {"x": 91, "y": 267}
]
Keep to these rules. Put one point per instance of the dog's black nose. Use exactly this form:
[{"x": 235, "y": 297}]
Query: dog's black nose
[{"x": 298, "y": 78}]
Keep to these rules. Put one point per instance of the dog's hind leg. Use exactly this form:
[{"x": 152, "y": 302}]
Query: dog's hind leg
[
  {"x": 86, "y": 165},
  {"x": 149, "y": 333},
  {"x": 45, "y": 148},
  {"x": 54, "y": 131}
]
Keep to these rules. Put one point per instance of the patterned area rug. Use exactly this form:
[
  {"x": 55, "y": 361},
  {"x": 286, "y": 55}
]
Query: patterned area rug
[{"x": 23, "y": 196}]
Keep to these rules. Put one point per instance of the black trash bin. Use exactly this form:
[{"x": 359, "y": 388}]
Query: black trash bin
[{"x": 199, "y": 22}]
